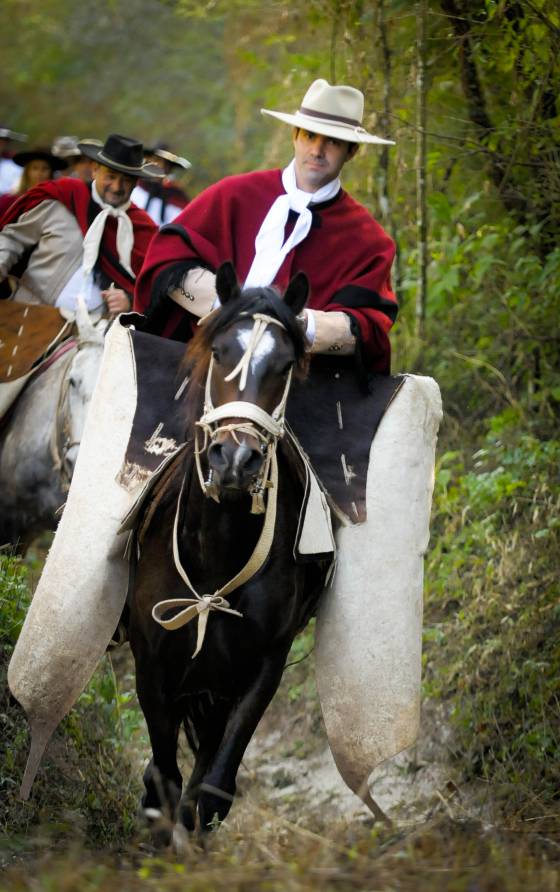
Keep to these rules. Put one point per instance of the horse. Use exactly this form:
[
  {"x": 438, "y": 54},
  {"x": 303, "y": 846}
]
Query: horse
[
  {"x": 203, "y": 531},
  {"x": 40, "y": 438}
]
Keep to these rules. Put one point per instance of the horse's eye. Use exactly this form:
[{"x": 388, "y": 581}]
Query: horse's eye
[
  {"x": 72, "y": 382},
  {"x": 215, "y": 354},
  {"x": 287, "y": 368}
]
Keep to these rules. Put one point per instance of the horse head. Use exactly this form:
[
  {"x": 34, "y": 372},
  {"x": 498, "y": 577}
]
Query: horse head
[
  {"x": 255, "y": 341},
  {"x": 78, "y": 385}
]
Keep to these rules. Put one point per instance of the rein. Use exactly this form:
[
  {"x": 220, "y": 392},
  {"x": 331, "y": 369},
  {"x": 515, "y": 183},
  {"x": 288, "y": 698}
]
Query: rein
[{"x": 267, "y": 428}]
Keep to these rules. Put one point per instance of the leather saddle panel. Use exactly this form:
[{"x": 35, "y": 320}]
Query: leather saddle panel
[
  {"x": 26, "y": 333},
  {"x": 334, "y": 422}
]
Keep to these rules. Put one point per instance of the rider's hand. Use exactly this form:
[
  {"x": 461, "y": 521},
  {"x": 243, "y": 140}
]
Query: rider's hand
[{"x": 117, "y": 300}]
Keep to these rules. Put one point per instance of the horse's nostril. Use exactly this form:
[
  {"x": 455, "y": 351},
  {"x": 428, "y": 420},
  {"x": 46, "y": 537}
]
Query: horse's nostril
[
  {"x": 216, "y": 456},
  {"x": 253, "y": 461}
]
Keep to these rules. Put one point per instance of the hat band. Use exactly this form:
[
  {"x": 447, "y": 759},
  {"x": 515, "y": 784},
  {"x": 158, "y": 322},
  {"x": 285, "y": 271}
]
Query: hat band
[
  {"x": 353, "y": 122},
  {"x": 103, "y": 157}
]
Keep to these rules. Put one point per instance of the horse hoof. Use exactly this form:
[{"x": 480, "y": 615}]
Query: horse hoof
[
  {"x": 159, "y": 826},
  {"x": 180, "y": 839}
]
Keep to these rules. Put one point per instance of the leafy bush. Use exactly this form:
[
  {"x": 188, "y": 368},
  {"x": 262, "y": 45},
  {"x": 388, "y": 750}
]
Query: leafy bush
[
  {"x": 492, "y": 318},
  {"x": 85, "y": 781},
  {"x": 493, "y": 614}
]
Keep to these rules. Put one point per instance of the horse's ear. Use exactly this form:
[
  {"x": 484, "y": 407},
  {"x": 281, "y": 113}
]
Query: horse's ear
[
  {"x": 227, "y": 285},
  {"x": 297, "y": 292},
  {"x": 84, "y": 323}
]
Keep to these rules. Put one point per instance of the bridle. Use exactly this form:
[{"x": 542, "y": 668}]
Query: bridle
[
  {"x": 268, "y": 428},
  {"x": 265, "y": 427}
]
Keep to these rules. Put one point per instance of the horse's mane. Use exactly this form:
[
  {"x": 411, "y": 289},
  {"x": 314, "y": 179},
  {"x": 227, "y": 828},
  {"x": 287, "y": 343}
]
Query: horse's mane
[{"x": 254, "y": 300}]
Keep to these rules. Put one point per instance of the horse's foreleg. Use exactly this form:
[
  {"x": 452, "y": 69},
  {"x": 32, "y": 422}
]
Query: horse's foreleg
[
  {"x": 218, "y": 786},
  {"x": 210, "y": 731},
  {"x": 162, "y": 778}
]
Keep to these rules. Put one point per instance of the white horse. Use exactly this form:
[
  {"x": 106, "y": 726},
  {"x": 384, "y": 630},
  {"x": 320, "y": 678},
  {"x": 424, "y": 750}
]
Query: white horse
[{"x": 39, "y": 443}]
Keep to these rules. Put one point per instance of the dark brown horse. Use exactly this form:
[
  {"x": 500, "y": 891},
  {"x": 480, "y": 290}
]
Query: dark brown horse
[{"x": 207, "y": 551}]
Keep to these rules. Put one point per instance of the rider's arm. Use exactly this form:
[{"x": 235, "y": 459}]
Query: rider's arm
[
  {"x": 22, "y": 234},
  {"x": 197, "y": 291},
  {"x": 329, "y": 332}
]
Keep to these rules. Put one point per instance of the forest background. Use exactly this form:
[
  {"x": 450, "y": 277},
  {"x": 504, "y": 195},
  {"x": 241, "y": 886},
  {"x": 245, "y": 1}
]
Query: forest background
[{"x": 470, "y": 92}]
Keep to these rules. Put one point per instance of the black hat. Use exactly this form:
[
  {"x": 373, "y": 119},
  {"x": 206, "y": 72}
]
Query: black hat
[
  {"x": 23, "y": 158},
  {"x": 122, "y": 154}
]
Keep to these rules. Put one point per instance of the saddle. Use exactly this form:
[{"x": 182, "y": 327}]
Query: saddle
[
  {"x": 27, "y": 333},
  {"x": 28, "y": 336},
  {"x": 332, "y": 422}
]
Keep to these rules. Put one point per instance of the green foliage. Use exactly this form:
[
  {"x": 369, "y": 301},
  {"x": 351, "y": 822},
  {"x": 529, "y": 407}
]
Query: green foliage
[
  {"x": 492, "y": 618},
  {"x": 86, "y": 782},
  {"x": 492, "y": 317},
  {"x": 14, "y": 598}
]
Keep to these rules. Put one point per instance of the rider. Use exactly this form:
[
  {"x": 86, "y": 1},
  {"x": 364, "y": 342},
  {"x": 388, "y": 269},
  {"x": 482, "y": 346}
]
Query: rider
[
  {"x": 274, "y": 223},
  {"x": 64, "y": 238},
  {"x": 38, "y": 165},
  {"x": 79, "y": 165},
  {"x": 9, "y": 170},
  {"x": 163, "y": 199}
]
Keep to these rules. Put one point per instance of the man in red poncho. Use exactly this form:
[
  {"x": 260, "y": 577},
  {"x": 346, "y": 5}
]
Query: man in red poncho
[
  {"x": 274, "y": 223},
  {"x": 64, "y": 238}
]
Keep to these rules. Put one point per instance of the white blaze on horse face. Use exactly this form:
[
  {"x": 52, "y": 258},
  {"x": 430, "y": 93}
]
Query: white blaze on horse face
[{"x": 263, "y": 349}]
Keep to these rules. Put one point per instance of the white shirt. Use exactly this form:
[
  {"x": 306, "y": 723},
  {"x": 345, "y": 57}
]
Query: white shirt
[
  {"x": 80, "y": 283},
  {"x": 10, "y": 175},
  {"x": 141, "y": 197}
]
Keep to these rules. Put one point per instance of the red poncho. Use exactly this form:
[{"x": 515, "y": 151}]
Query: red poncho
[
  {"x": 76, "y": 197},
  {"x": 347, "y": 256}
]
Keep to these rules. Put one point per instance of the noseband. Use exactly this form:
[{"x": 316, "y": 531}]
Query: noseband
[{"x": 265, "y": 427}]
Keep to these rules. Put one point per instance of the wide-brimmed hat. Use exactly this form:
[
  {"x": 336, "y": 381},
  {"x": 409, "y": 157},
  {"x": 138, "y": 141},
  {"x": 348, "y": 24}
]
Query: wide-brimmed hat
[
  {"x": 66, "y": 147},
  {"x": 122, "y": 154},
  {"x": 40, "y": 154},
  {"x": 335, "y": 111},
  {"x": 6, "y": 133},
  {"x": 161, "y": 150}
]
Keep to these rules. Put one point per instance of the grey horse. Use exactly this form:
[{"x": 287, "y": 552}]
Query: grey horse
[{"x": 39, "y": 442}]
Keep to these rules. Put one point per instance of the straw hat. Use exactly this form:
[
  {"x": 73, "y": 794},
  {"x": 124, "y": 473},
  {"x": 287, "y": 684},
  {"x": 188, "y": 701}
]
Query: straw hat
[
  {"x": 331, "y": 111},
  {"x": 6, "y": 133}
]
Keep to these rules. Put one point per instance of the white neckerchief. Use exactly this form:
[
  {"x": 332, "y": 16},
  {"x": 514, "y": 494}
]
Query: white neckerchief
[
  {"x": 270, "y": 248},
  {"x": 125, "y": 234}
]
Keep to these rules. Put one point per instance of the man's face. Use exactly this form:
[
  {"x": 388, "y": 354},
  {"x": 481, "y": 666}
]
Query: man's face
[
  {"x": 114, "y": 188},
  {"x": 82, "y": 169},
  {"x": 319, "y": 159}
]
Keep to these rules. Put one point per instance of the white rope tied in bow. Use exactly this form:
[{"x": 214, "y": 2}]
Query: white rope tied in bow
[
  {"x": 200, "y": 606},
  {"x": 270, "y": 248},
  {"x": 125, "y": 234}
]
